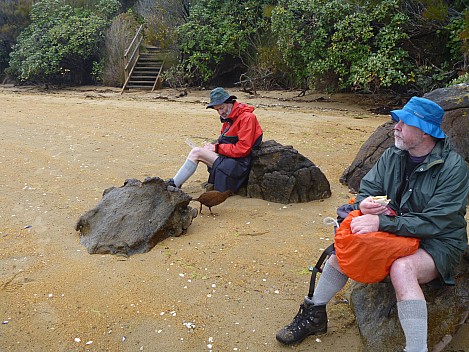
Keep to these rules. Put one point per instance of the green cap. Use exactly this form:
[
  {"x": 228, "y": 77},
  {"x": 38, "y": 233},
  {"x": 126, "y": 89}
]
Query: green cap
[{"x": 219, "y": 96}]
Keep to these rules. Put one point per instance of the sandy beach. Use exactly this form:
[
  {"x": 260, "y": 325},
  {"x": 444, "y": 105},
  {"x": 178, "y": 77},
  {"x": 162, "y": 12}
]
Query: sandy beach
[{"x": 227, "y": 285}]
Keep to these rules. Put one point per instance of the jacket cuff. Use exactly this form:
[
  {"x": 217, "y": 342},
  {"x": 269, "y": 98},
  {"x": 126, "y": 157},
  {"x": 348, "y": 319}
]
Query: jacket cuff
[{"x": 388, "y": 223}]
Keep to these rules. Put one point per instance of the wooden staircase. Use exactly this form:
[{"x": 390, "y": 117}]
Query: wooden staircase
[
  {"x": 143, "y": 64},
  {"x": 147, "y": 70}
]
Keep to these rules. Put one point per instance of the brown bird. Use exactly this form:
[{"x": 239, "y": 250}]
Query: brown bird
[{"x": 212, "y": 198}]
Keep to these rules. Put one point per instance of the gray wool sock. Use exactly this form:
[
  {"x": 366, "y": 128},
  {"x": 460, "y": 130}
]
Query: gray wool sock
[
  {"x": 186, "y": 171},
  {"x": 413, "y": 317},
  {"x": 330, "y": 282}
]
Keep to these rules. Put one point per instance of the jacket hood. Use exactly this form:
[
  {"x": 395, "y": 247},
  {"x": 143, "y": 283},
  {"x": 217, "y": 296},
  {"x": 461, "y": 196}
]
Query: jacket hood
[
  {"x": 239, "y": 108},
  {"x": 440, "y": 152}
]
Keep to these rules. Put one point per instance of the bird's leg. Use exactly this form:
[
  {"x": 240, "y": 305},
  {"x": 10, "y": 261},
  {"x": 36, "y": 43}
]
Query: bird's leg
[
  {"x": 200, "y": 210},
  {"x": 213, "y": 214}
]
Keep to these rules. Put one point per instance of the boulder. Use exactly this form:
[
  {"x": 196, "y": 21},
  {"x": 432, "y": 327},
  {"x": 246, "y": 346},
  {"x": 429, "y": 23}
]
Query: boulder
[
  {"x": 282, "y": 175},
  {"x": 133, "y": 218},
  {"x": 375, "y": 310},
  {"x": 368, "y": 155},
  {"x": 454, "y": 100}
]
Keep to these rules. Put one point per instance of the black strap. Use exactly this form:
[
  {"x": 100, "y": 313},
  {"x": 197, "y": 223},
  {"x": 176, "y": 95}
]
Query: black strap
[{"x": 317, "y": 268}]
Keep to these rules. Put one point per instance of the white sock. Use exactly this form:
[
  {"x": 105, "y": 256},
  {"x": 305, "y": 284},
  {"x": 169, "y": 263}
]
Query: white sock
[
  {"x": 413, "y": 317},
  {"x": 330, "y": 282},
  {"x": 186, "y": 171}
]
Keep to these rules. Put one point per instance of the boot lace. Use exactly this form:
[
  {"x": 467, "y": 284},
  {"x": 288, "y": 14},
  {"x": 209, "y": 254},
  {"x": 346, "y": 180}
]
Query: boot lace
[{"x": 300, "y": 320}]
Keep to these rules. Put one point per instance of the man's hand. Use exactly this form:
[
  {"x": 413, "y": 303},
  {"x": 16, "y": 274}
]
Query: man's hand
[
  {"x": 364, "y": 224},
  {"x": 209, "y": 146},
  {"x": 369, "y": 206}
]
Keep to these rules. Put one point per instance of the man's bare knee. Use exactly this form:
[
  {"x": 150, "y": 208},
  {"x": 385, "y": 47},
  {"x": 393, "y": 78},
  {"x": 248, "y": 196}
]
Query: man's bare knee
[
  {"x": 419, "y": 266},
  {"x": 402, "y": 267},
  {"x": 195, "y": 153}
]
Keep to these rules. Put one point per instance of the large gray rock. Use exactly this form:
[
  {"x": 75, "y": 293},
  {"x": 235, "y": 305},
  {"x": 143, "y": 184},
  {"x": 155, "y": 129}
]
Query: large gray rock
[
  {"x": 454, "y": 100},
  {"x": 135, "y": 217},
  {"x": 280, "y": 174},
  {"x": 368, "y": 155},
  {"x": 376, "y": 312}
]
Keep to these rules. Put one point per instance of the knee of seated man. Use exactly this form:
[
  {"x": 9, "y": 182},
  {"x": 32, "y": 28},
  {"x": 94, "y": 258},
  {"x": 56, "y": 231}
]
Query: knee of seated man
[
  {"x": 419, "y": 265},
  {"x": 404, "y": 266},
  {"x": 195, "y": 152}
]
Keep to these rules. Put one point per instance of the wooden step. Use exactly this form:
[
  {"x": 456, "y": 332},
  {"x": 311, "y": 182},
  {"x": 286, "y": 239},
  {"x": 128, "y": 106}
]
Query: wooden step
[
  {"x": 130, "y": 86},
  {"x": 143, "y": 77},
  {"x": 147, "y": 69}
]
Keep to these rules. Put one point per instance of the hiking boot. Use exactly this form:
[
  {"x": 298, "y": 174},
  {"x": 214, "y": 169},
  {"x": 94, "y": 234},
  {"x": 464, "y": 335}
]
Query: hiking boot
[
  {"x": 310, "y": 320},
  {"x": 170, "y": 182},
  {"x": 207, "y": 186}
]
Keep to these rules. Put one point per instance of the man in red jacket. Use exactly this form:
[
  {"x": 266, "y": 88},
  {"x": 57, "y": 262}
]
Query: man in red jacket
[{"x": 229, "y": 158}]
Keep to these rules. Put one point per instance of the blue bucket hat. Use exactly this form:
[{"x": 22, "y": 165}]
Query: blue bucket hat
[
  {"x": 219, "y": 96},
  {"x": 422, "y": 113}
]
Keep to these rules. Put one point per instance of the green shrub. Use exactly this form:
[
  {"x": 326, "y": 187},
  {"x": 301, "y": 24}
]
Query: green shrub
[
  {"x": 14, "y": 18},
  {"x": 357, "y": 42},
  {"x": 221, "y": 36},
  {"x": 61, "y": 42},
  {"x": 461, "y": 79}
]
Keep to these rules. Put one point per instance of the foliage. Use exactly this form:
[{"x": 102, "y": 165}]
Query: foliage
[
  {"x": 221, "y": 36},
  {"x": 175, "y": 76},
  {"x": 14, "y": 17},
  {"x": 97, "y": 71},
  {"x": 458, "y": 42},
  {"x": 162, "y": 18},
  {"x": 62, "y": 42},
  {"x": 435, "y": 46},
  {"x": 363, "y": 45},
  {"x": 410, "y": 46},
  {"x": 91, "y": 4},
  {"x": 461, "y": 79},
  {"x": 357, "y": 42},
  {"x": 118, "y": 37}
]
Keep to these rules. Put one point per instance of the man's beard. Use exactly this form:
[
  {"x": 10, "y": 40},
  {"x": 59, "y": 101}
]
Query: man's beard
[
  {"x": 399, "y": 143},
  {"x": 227, "y": 113},
  {"x": 409, "y": 145}
]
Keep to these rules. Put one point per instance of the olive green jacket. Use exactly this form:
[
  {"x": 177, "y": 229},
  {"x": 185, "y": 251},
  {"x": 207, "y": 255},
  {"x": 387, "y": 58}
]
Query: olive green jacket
[{"x": 433, "y": 205}]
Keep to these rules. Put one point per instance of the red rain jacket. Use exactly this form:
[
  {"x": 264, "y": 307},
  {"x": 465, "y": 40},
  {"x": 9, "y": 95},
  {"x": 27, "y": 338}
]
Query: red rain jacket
[{"x": 244, "y": 127}]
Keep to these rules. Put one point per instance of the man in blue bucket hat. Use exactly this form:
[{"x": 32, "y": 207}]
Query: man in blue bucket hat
[
  {"x": 428, "y": 184},
  {"x": 229, "y": 158},
  {"x": 422, "y": 113}
]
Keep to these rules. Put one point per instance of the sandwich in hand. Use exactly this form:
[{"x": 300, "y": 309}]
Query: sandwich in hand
[{"x": 383, "y": 200}]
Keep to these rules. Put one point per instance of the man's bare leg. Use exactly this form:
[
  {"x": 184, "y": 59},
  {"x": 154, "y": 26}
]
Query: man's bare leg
[
  {"x": 407, "y": 274},
  {"x": 197, "y": 154}
]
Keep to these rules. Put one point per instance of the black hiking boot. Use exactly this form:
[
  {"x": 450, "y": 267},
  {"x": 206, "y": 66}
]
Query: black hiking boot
[
  {"x": 207, "y": 186},
  {"x": 310, "y": 320},
  {"x": 170, "y": 183}
]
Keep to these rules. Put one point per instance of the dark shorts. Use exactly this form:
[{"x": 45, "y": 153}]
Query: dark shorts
[{"x": 229, "y": 173}]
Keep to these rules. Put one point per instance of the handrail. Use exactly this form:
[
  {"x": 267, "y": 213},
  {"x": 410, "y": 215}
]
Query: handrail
[
  {"x": 135, "y": 53},
  {"x": 133, "y": 40},
  {"x": 159, "y": 72},
  {"x": 135, "y": 44}
]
